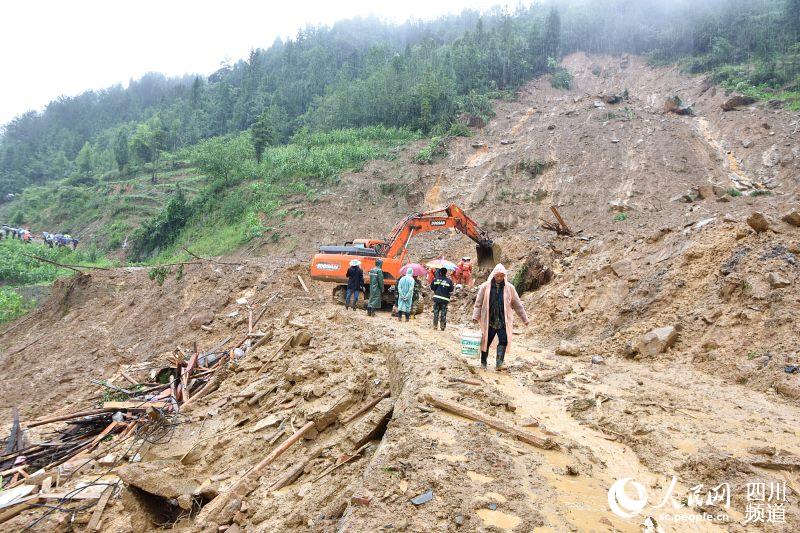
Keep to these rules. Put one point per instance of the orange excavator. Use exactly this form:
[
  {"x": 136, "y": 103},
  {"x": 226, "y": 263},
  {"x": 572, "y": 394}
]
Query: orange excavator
[{"x": 332, "y": 262}]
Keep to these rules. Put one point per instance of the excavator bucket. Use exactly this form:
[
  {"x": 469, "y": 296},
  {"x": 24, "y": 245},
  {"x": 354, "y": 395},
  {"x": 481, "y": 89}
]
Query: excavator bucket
[{"x": 488, "y": 255}]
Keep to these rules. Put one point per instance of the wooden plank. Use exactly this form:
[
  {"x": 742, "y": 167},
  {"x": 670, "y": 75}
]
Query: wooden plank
[
  {"x": 15, "y": 470},
  {"x": 134, "y": 405},
  {"x": 302, "y": 283},
  {"x": 242, "y": 487},
  {"x": 343, "y": 461},
  {"x": 103, "y": 434},
  {"x": 126, "y": 376},
  {"x": 187, "y": 375},
  {"x": 69, "y": 416},
  {"x": 274, "y": 354},
  {"x": 10, "y": 497},
  {"x": 466, "y": 381},
  {"x": 366, "y": 408},
  {"x": 492, "y": 422},
  {"x": 560, "y": 220},
  {"x": 94, "y": 523},
  {"x": 264, "y": 308},
  {"x": 8, "y": 513}
]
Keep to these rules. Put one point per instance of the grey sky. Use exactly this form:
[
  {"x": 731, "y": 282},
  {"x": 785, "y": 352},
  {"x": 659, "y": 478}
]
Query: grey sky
[{"x": 56, "y": 47}]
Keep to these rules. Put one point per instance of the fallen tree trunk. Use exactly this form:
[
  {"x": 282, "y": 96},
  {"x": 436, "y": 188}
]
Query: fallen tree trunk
[{"x": 466, "y": 412}]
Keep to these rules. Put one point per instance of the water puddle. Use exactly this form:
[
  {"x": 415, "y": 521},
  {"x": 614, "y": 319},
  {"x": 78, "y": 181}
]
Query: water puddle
[
  {"x": 498, "y": 519},
  {"x": 495, "y": 497},
  {"x": 451, "y": 458},
  {"x": 479, "y": 478},
  {"x": 437, "y": 434}
]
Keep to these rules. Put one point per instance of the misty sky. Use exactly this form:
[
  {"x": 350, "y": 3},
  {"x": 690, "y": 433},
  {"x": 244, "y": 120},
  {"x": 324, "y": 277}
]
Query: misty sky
[{"x": 57, "y": 47}]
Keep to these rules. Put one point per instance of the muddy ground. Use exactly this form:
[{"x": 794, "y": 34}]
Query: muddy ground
[{"x": 710, "y": 403}]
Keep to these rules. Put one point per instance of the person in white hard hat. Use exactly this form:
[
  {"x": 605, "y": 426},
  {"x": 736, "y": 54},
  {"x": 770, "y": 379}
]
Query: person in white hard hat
[{"x": 355, "y": 283}]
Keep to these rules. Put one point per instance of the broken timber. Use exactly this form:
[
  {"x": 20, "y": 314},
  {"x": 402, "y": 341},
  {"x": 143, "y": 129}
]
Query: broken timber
[
  {"x": 560, "y": 227},
  {"x": 366, "y": 408},
  {"x": 243, "y": 485},
  {"x": 466, "y": 412}
]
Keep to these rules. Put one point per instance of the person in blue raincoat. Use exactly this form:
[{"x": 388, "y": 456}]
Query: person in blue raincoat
[{"x": 405, "y": 295}]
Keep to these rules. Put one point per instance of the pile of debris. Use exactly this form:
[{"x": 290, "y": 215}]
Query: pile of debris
[{"x": 126, "y": 419}]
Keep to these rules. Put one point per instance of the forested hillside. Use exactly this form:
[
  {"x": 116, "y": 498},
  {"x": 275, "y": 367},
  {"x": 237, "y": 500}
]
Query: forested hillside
[{"x": 417, "y": 75}]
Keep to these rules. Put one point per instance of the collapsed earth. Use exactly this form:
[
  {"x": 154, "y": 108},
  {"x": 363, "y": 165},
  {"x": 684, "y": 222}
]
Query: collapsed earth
[{"x": 647, "y": 225}]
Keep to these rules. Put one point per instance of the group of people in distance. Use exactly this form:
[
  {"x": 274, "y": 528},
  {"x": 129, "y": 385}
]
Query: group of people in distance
[
  {"x": 492, "y": 311},
  {"x": 50, "y": 239}
]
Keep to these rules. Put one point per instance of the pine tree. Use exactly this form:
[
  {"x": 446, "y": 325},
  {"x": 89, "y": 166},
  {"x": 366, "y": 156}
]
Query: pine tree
[
  {"x": 85, "y": 160},
  {"x": 121, "y": 149},
  {"x": 265, "y": 130}
]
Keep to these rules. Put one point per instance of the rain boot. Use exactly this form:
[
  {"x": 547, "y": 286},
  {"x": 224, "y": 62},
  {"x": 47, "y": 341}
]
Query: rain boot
[
  {"x": 484, "y": 357},
  {"x": 501, "y": 355}
]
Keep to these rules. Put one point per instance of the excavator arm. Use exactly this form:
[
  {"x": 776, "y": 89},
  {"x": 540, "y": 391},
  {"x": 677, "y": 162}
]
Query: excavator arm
[{"x": 450, "y": 216}]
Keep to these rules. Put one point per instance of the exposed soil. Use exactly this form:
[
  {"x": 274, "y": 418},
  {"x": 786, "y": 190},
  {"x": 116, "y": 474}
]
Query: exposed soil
[{"x": 708, "y": 409}]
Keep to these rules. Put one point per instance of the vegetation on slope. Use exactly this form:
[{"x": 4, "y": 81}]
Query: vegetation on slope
[
  {"x": 206, "y": 161},
  {"x": 18, "y": 268},
  {"x": 243, "y": 196}
]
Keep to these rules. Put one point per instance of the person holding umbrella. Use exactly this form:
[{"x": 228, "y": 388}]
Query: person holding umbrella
[
  {"x": 375, "y": 288},
  {"x": 355, "y": 282},
  {"x": 492, "y": 310},
  {"x": 405, "y": 295}
]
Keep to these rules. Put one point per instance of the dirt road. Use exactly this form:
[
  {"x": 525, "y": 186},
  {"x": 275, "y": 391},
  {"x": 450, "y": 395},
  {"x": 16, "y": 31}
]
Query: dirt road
[{"x": 648, "y": 423}]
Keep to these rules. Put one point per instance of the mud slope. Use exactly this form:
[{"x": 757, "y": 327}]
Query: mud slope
[{"x": 659, "y": 243}]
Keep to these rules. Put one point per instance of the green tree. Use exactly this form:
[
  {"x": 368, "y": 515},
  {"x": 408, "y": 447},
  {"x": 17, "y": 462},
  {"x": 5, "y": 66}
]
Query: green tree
[
  {"x": 792, "y": 17},
  {"x": 224, "y": 159},
  {"x": 268, "y": 130},
  {"x": 197, "y": 91},
  {"x": 552, "y": 34},
  {"x": 122, "y": 153},
  {"x": 148, "y": 142},
  {"x": 85, "y": 160}
]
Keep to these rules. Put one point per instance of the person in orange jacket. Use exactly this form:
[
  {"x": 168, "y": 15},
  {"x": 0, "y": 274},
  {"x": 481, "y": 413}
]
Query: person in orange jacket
[
  {"x": 431, "y": 275},
  {"x": 464, "y": 271}
]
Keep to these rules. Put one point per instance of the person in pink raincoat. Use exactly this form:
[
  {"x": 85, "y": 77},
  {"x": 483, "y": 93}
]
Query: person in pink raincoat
[{"x": 496, "y": 299}]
